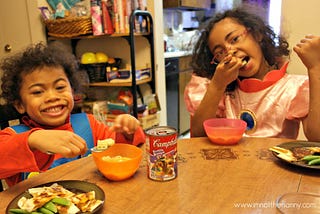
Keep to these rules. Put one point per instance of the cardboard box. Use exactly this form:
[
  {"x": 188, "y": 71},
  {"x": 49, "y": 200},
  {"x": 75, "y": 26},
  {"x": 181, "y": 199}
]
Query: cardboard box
[
  {"x": 99, "y": 109},
  {"x": 150, "y": 120}
]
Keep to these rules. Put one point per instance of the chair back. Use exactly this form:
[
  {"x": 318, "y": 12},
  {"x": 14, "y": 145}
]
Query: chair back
[{"x": 8, "y": 116}]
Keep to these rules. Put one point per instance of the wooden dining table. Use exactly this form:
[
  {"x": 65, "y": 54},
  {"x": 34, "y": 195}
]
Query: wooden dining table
[{"x": 242, "y": 178}]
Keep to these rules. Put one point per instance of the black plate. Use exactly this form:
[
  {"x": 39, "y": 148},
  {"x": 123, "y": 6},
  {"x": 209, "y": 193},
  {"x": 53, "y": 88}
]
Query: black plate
[
  {"x": 72, "y": 185},
  {"x": 297, "y": 144}
]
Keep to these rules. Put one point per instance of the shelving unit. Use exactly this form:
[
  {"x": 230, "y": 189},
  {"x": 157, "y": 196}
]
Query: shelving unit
[
  {"x": 131, "y": 40},
  {"x": 150, "y": 38}
]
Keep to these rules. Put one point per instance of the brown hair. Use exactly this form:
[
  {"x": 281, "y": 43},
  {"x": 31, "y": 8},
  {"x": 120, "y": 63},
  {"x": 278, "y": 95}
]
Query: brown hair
[
  {"x": 35, "y": 57},
  {"x": 274, "y": 48}
]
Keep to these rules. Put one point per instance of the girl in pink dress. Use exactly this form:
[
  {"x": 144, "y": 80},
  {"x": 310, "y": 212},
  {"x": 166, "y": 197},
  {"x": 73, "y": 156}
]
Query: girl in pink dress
[{"x": 240, "y": 72}]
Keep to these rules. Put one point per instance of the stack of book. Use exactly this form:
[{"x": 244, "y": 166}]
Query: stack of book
[{"x": 113, "y": 16}]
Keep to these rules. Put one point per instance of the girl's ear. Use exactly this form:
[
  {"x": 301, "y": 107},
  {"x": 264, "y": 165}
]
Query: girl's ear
[{"x": 19, "y": 107}]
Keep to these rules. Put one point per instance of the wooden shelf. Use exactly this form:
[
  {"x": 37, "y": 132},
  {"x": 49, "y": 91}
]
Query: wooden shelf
[
  {"x": 119, "y": 84},
  {"x": 51, "y": 38}
]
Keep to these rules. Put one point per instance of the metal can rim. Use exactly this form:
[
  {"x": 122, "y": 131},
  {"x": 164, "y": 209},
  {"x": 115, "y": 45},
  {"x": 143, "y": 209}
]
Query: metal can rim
[{"x": 174, "y": 130}]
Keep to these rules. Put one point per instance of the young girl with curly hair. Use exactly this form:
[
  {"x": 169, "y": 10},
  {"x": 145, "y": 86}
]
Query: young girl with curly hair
[{"x": 240, "y": 69}]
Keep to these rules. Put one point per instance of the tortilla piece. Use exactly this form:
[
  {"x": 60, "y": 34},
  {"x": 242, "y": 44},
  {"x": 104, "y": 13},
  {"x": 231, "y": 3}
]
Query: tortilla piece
[
  {"x": 86, "y": 201},
  {"x": 72, "y": 209},
  {"x": 283, "y": 153}
]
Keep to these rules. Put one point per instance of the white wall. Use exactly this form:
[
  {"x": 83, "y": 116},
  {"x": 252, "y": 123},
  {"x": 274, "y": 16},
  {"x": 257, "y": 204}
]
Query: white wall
[
  {"x": 298, "y": 19},
  {"x": 156, "y": 9}
]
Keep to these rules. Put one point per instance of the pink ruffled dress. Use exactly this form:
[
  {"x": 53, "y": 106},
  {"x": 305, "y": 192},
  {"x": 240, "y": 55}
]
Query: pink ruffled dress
[{"x": 272, "y": 107}]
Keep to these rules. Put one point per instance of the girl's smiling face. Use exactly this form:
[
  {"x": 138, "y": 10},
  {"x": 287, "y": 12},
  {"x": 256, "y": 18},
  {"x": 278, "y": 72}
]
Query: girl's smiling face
[
  {"x": 46, "y": 96},
  {"x": 228, "y": 34}
]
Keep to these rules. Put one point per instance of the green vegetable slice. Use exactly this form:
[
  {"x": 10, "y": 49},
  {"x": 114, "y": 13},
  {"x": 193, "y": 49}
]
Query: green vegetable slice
[
  {"x": 18, "y": 211},
  {"x": 61, "y": 201},
  {"x": 314, "y": 162},
  {"x": 45, "y": 210},
  {"x": 310, "y": 157},
  {"x": 51, "y": 206}
]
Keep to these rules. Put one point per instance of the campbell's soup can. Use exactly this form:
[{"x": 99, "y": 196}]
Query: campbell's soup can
[{"x": 161, "y": 147}]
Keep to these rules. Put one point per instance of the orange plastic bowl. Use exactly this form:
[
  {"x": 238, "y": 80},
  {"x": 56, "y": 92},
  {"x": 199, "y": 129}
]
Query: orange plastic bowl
[
  {"x": 224, "y": 131},
  {"x": 115, "y": 169}
]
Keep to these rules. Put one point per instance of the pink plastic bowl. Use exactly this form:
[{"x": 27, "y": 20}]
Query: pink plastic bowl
[{"x": 224, "y": 131}]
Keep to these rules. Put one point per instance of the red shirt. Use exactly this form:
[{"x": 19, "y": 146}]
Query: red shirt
[{"x": 17, "y": 157}]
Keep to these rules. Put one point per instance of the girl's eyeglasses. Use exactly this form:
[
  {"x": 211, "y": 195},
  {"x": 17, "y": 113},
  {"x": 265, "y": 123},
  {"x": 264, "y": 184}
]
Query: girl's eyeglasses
[{"x": 220, "y": 53}]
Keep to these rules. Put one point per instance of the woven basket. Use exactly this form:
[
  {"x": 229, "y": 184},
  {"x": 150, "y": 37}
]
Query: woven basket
[
  {"x": 69, "y": 27},
  {"x": 95, "y": 71}
]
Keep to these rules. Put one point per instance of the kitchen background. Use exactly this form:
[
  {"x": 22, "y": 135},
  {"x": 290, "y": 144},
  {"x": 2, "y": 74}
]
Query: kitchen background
[{"x": 21, "y": 25}]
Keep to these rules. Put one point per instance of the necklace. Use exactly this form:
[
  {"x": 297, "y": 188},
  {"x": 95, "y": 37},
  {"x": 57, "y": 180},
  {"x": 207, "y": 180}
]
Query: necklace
[
  {"x": 247, "y": 115},
  {"x": 250, "y": 118}
]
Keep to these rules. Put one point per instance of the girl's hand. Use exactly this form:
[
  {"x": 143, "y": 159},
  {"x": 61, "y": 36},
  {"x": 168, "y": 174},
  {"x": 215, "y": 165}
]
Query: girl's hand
[
  {"x": 125, "y": 123},
  {"x": 227, "y": 70},
  {"x": 65, "y": 143},
  {"x": 309, "y": 51}
]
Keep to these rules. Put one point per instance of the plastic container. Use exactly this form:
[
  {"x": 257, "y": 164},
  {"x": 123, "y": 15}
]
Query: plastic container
[
  {"x": 118, "y": 170},
  {"x": 224, "y": 131}
]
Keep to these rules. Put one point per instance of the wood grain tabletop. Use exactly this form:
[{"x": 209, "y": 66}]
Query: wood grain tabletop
[{"x": 243, "y": 178}]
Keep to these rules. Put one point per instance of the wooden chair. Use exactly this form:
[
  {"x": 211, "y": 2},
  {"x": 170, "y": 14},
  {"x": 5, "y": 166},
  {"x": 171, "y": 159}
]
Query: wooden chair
[{"x": 8, "y": 116}]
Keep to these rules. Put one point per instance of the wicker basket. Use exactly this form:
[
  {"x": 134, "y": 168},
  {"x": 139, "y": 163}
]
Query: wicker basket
[
  {"x": 96, "y": 71},
  {"x": 69, "y": 27}
]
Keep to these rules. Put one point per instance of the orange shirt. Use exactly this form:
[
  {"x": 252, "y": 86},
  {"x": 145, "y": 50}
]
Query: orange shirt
[{"x": 16, "y": 156}]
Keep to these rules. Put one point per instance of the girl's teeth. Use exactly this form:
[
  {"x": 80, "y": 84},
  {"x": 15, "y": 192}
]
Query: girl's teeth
[{"x": 53, "y": 109}]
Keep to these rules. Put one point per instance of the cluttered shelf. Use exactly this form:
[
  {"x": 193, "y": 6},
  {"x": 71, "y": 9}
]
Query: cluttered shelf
[
  {"x": 107, "y": 69},
  {"x": 90, "y": 36},
  {"x": 119, "y": 84}
]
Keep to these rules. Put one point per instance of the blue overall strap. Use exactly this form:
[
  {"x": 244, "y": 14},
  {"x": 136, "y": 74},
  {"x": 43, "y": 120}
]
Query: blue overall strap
[
  {"x": 80, "y": 125},
  {"x": 20, "y": 128}
]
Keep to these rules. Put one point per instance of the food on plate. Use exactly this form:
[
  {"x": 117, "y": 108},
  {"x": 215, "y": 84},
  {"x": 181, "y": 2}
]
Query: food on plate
[
  {"x": 312, "y": 159},
  {"x": 300, "y": 152},
  {"x": 57, "y": 199},
  {"x": 283, "y": 153},
  {"x": 306, "y": 154},
  {"x": 104, "y": 144},
  {"x": 117, "y": 158}
]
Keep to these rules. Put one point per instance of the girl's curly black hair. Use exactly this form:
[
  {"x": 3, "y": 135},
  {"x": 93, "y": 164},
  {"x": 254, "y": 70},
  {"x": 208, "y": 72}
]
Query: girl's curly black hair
[
  {"x": 274, "y": 48},
  {"x": 34, "y": 57}
]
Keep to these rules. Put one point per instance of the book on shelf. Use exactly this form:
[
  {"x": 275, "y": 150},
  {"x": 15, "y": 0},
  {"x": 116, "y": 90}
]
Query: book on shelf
[
  {"x": 106, "y": 6},
  {"x": 115, "y": 16},
  {"x": 122, "y": 14},
  {"x": 127, "y": 14}
]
